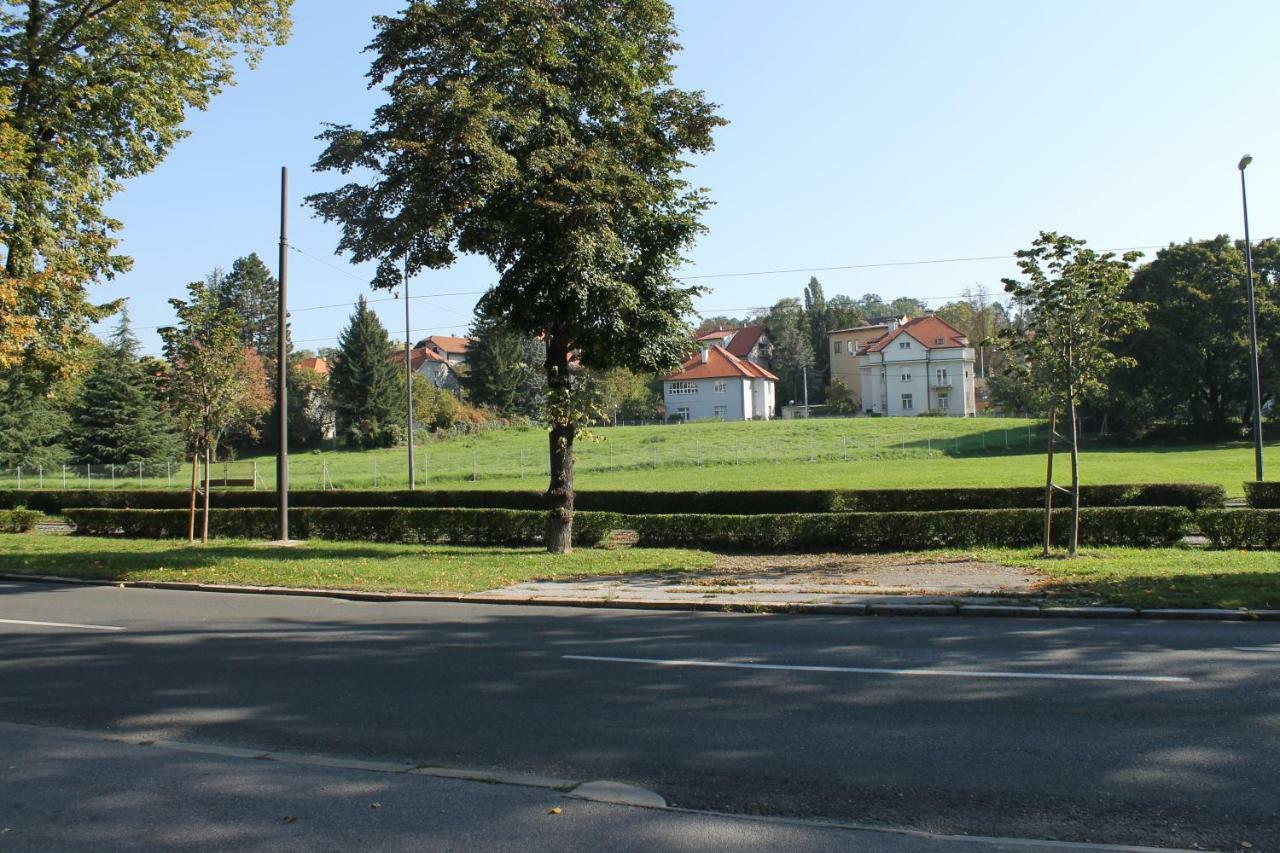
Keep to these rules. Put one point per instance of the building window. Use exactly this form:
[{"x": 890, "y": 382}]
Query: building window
[
  {"x": 906, "y": 376},
  {"x": 942, "y": 376},
  {"x": 904, "y": 344},
  {"x": 839, "y": 347},
  {"x": 721, "y": 386},
  {"x": 683, "y": 413},
  {"x": 681, "y": 388},
  {"x": 854, "y": 347},
  {"x": 906, "y": 402},
  {"x": 944, "y": 401},
  {"x": 722, "y": 413},
  {"x": 937, "y": 342}
]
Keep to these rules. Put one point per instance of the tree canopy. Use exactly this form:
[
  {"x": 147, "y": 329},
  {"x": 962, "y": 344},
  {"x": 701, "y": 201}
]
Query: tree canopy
[
  {"x": 366, "y": 387},
  {"x": 93, "y": 92},
  {"x": 546, "y": 136}
]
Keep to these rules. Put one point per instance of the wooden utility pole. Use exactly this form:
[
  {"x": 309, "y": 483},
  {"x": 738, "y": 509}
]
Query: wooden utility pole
[{"x": 408, "y": 368}]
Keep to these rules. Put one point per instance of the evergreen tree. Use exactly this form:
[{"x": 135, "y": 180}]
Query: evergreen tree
[
  {"x": 33, "y": 422},
  {"x": 118, "y": 417},
  {"x": 364, "y": 384},
  {"x": 792, "y": 352},
  {"x": 815, "y": 309},
  {"x": 505, "y": 369},
  {"x": 251, "y": 291}
]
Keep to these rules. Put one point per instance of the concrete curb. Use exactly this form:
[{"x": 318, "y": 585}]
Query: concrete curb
[{"x": 926, "y": 607}]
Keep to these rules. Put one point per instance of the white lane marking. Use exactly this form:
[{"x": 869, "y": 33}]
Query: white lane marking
[
  {"x": 62, "y": 625},
  {"x": 1257, "y": 648},
  {"x": 867, "y": 670}
]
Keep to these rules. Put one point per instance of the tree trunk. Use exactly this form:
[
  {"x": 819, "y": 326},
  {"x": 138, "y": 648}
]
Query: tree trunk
[
  {"x": 559, "y": 536},
  {"x": 1048, "y": 485},
  {"x": 204, "y": 522},
  {"x": 191, "y": 515},
  {"x": 1074, "y": 539}
]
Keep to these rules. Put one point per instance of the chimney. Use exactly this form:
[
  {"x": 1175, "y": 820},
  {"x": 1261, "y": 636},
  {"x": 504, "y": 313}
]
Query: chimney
[{"x": 704, "y": 355}]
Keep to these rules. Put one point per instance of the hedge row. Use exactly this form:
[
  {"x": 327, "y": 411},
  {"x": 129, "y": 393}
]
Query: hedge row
[
  {"x": 1241, "y": 528},
  {"x": 845, "y": 531},
  {"x": 18, "y": 520},
  {"x": 757, "y": 502},
  {"x": 1264, "y": 495}
]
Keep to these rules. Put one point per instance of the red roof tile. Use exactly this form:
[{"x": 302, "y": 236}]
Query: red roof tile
[
  {"x": 319, "y": 365},
  {"x": 448, "y": 343},
  {"x": 744, "y": 338},
  {"x": 929, "y": 332},
  {"x": 720, "y": 363}
]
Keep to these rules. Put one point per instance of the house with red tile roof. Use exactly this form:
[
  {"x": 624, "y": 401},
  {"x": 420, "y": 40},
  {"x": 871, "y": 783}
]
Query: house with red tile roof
[
  {"x": 922, "y": 366},
  {"x": 316, "y": 363},
  {"x": 750, "y": 343},
  {"x": 438, "y": 371},
  {"x": 452, "y": 349},
  {"x": 715, "y": 384}
]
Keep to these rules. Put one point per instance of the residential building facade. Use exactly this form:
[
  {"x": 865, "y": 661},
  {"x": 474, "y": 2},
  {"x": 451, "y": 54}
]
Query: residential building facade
[
  {"x": 717, "y": 385},
  {"x": 923, "y": 366},
  {"x": 434, "y": 367},
  {"x": 844, "y": 347},
  {"x": 451, "y": 349}
]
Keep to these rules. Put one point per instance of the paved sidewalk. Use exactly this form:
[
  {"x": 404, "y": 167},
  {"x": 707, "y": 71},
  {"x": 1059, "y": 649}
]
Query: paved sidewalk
[{"x": 71, "y": 791}]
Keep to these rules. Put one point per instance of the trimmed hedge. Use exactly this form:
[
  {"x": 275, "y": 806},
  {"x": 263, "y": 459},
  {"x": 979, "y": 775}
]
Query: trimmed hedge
[
  {"x": 1265, "y": 495},
  {"x": 377, "y": 524},
  {"x": 18, "y": 520},
  {"x": 846, "y": 531},
  {"x": 755, "y": 502},
  {"x": 1241, "y": 528}
]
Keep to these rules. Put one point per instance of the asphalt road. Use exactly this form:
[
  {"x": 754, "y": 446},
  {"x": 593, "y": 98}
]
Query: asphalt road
[{"x": 1137, "y": 732}]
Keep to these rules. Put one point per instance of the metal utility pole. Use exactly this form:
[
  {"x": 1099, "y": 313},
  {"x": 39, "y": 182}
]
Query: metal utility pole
[
  {"x": 804, "y": 372},
  {"x": 1255, "y": 381},
  {"x": 408, "y": 368},
  {"x": 282, "y": 366}
]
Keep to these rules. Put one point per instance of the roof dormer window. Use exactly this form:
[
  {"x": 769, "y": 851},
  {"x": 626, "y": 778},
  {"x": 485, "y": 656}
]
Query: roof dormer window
[{"x": 937, "y": 342}]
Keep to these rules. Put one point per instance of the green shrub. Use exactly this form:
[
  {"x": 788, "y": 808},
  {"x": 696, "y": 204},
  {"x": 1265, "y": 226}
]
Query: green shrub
[
  {"x": 846, "y": 531},
  {"x": 908, "y": 531},
  {"x": 18, "y": 520},
  {"x": 748, "y": 502},
  {"x": 1241, "y": 528},
  {"x": 1263, "y": 495},
  {"x": 360, "y": 524}
]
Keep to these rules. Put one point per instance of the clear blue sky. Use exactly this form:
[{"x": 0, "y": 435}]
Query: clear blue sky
[{"x": 861, "y": 133}]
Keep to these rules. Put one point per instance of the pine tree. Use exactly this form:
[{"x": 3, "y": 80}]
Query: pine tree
[
  {"x": 505, "y": 369},
  {"x": 366, "y": 386},
  {"x": 118, "y": 417},
  {"x": 251, "y": 291},
  {"x": 33, "y": 421},
  {"x": 815, "y": 309}
]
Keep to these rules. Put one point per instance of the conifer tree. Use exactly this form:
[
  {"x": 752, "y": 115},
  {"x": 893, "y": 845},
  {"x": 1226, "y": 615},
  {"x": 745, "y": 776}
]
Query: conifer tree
[
  {"x": 364, "y": 384},
  {"x": 505, "y": 369},
  {"x": 118, "y": 417},
  {"x": 251, "y": 291}
]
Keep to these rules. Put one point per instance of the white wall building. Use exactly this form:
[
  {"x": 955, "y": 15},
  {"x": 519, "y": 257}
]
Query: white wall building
[
  {"x": 923, "y": 366},
  {"x": 717, "y": 385}
]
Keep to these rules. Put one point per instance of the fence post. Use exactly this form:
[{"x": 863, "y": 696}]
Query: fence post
[
  {"x": 112, "y": 466},
  {"x": 697, "y": 451},
  {"x": 168, "y": 474},
  {"x": 655, "y": 456},
  {"x": 19, "y": 476},
  {"x": 139, "y": 473},
  {"x": 611, "y": 457},
  {"x": 375, "y": 473},
  {"x": 88, "y": 475},
  {"x": 473, "y": 464},
  {"x": 930, "y": 441},
  {"x": 811, "y": 459},
  {"x": 64, "y": 476},
  {"x": 737, "y": 451},
  {"x": 1028, "y": 435},
  {"x": 255, "y": 475},
  {"x": 40, "y": 474},
  {"x": 1006, "y": 439},
  {"x": 522, "y": 463}
]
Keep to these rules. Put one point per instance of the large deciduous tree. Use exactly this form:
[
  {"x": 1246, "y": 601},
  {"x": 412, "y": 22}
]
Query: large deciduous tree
[
  {"x": 93, "y": 92},
  {"x": 1074, "y": 309},
  {"x": 1192, "y": 362},
  {"x": 548, "y": 137}
]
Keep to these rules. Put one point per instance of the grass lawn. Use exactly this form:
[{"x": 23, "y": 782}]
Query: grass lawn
[
  {"x": 824, "y": 453},
  {"x": 333, "y": 565},
  {"x": 1157, "y": 577},
  {"x": 1165, "y": 577}
]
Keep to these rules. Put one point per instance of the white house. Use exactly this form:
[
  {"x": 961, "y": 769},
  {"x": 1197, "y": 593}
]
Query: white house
[
  {"x": 923, "y": 366},
  {"x": 717, "y": 385},
  {"x": 750, "y": 343},
  {"x": 435, "y": 368}
]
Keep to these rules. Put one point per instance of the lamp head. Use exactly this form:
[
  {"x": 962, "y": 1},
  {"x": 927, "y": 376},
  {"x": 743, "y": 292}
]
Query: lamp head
[{"x": 1245, "y": 161}]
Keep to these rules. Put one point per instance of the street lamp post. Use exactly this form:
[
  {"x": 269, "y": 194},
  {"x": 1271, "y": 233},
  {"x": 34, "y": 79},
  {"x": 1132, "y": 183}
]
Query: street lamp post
[{"x": 1255, "y": 381}]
